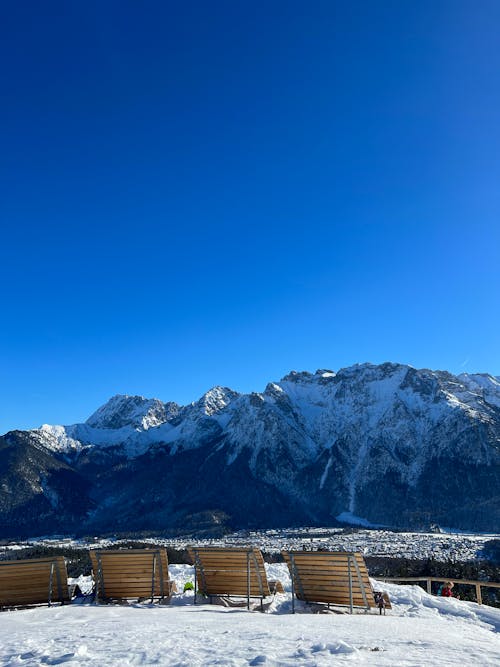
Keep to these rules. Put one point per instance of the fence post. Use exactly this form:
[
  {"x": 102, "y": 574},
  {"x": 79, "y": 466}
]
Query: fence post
[
  {"x": 429, "y": 586},
  {"x": 478, "y": 594}
]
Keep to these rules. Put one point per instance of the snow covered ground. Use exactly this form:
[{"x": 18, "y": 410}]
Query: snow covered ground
[{"x": 419, "y": 631}]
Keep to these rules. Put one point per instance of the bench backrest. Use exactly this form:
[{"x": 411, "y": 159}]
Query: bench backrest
[
  {"x": 333, "y": 577},
  {"x": 33, "y": 581},
  {"x": 239, "y": 572},
  {"x": 130, "y": 573}
]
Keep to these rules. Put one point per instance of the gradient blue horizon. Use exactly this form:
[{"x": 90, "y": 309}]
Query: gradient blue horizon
[{"x": 198, "y": 194}]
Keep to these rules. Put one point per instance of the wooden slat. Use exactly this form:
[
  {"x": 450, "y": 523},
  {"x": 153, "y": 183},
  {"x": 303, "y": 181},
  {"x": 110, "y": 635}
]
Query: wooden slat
[
  {"x": 331, "y": 590},
  {"x": 324, "y": 577},
  {"x": 336, "y": 574},
  {"x": 27, "y": 581},
  {"x": 35, "y": 562},
  {"x": 237, "y": 572},
  {"x": 128, "y": 573}
]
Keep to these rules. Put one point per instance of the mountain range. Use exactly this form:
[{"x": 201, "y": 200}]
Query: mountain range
[{"x": 389, "y": 443}]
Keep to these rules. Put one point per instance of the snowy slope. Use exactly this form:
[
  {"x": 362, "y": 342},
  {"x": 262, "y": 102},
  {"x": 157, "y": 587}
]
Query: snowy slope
[{"x": 420, "y": 630}]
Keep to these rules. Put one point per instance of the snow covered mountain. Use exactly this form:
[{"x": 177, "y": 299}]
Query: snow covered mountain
[{"x": 389, "y": 443}]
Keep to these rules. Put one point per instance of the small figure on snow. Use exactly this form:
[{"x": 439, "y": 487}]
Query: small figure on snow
[
  {"x": 446, "y": 590},
  {"x": 380, "y": 601}
]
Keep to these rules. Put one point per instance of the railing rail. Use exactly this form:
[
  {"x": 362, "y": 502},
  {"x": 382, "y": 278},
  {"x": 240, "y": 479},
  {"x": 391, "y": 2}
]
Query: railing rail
[{"x": 429, "y": 580}]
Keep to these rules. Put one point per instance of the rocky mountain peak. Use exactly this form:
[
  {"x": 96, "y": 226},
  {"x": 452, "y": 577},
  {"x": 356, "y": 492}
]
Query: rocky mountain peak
[
  {"x": 299, "y": 377},
  {"x": 216, "y": 399},
  {"x": 135, "y": 411},
  {"x": 273, "y": 389}
]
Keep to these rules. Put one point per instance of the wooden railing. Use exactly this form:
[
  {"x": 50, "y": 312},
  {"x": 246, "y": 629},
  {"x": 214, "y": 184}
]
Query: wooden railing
[{"x": 429, "y": 580}]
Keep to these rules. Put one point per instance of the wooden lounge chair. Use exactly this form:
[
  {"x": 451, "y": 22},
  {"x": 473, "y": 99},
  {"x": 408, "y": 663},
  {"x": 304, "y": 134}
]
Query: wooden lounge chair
[
  {"x": 331, "y": 577},
  {"x": 232, "y": 572},
  {"x": 131, "y": 574},
  {"x": 33, "y": 581}
]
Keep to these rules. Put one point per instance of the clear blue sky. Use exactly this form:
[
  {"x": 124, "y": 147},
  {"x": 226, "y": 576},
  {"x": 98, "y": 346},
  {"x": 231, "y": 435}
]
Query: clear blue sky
[{"x": 201, "y": 193}]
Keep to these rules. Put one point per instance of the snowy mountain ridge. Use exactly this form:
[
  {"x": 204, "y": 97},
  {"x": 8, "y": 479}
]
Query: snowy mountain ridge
[
  {"x": 389, "y": 443},
  {"x": 321, "y": 403}
]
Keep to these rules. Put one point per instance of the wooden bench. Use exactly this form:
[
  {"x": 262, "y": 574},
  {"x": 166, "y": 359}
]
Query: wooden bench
[
  {"x": 337, "y": 578},
  {"x": 33, "y": 581},
  {"x": 123, "y": 574},
  {"x": 232, "y": 572}
]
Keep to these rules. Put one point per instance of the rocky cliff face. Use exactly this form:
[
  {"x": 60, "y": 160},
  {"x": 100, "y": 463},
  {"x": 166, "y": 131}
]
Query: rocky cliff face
[{"x": 389, "y": 443}]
